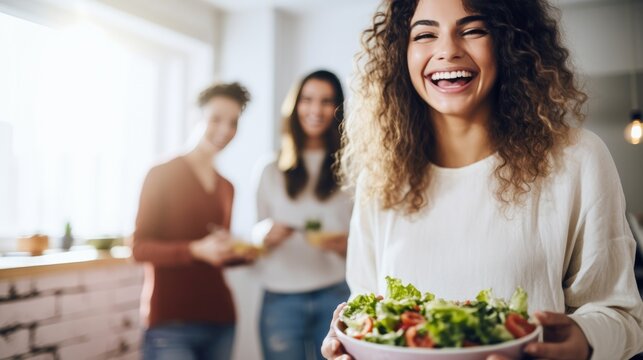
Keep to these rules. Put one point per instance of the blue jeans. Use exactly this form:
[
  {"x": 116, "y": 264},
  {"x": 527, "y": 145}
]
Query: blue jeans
[
  {"x": 293, "y": 326},
  {"x": 188, "y": 342}
]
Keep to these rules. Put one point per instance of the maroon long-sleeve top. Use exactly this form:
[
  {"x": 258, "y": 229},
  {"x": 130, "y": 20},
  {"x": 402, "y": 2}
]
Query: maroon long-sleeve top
[{"x": 174, "y": 210}]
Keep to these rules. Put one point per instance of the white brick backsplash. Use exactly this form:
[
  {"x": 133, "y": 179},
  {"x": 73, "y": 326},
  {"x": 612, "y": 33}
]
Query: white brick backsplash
[
  {"x": 4, "y": 289},
  {"x": 134, "y": 276},
  {"x": 23, "y": 286},
  {"x": 47, "y": 356},
  {"x": 112, "y": 277},
  {"x": 86, "y": 350},
  {"x": 57, "y": 332},
  {"x": 92, "y": 301},
  {"x": 26, "y": 311},
  {"x": 132, "y": 340},
  {"x": 79, "y": 314},
  {"x": 128, "y": 294},
  {"x": 133, "y": 355},
  {"x": 73, "y": 303},
  {"x": 125, "y": 320},
  {"x": 14, "y": 344},
  {"x": 102, "y": 298},
  {"x": 98, "y": 279},
  {"x": 57, "y": 282},
  {"x": 128, "y": 272}
]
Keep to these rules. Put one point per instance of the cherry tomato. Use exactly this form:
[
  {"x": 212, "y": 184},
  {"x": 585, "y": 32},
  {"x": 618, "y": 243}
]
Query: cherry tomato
[
  {"x": 411, "y": 318},
  {"x": 414, "y": 339},
  {"x": 367, "y": 326},
  {"x": 518, "y": 326}
]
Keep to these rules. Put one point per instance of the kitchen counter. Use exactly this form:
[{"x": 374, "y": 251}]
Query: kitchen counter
[{"x": 13, "y": 266}]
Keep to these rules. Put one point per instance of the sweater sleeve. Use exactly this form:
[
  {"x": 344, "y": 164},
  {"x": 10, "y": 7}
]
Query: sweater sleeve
[
  {"x": 146, "y": 246},
  {"x": 361, "y": 266},
  {"x": 263, "y": 190},
  {"x": 600, "y": 287}
]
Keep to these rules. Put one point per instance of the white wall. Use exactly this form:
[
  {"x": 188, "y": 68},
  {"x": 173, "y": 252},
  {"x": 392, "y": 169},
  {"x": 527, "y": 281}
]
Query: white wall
[
  {"x": 192, "y": 18},
  {"x": 602, "y": 43},
  {"x": 327, "y": 37},
  {"x": 600, "y": 36},
  {"x": 248, "y": 56}
]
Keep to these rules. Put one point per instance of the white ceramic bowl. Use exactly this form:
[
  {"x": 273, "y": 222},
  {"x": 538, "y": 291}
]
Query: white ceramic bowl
[{"x": 363, "y": 350}]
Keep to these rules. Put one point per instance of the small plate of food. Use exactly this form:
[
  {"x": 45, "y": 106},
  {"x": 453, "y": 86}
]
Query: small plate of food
[{"x": 316, "y": 236}]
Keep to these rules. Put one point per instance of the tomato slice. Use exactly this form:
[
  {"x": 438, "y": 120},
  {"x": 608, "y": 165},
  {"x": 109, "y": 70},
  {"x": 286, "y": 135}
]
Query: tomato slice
[
  {"x": 411, "y": 318},
  {"x": 367, "y": 326},
  {"x": 415, "y": 339},
  {"x": 518, "y": 326}
]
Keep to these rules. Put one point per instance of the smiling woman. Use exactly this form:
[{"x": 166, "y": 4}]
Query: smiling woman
[{"x": 469, "y": 175}]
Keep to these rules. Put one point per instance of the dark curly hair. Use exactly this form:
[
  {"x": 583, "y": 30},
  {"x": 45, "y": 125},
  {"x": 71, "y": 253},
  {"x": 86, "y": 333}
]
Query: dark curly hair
[
  {"x": 234, "y": 91},
  {"x": 388, "y": 141}
]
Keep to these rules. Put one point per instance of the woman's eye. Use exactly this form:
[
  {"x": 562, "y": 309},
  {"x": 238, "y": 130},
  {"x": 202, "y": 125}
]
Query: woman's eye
[
  {"x": 424, "y": 36},
  {"x": 475, "y": 32}
]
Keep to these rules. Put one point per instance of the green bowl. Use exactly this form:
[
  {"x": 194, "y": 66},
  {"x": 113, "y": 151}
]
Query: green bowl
[{"x": 104, "y": 243}]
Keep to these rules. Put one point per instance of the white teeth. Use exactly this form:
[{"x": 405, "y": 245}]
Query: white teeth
[{"x": 450, "y": 75}]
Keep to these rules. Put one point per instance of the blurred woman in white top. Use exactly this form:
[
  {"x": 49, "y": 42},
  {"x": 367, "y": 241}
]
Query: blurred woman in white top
[{"x": 303, "y": 281}]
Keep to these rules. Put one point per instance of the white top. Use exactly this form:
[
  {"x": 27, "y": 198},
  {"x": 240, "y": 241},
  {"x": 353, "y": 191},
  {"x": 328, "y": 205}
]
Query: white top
[
  {"x": 296, "y": 265},
  {"x": 569, "y": 247}
]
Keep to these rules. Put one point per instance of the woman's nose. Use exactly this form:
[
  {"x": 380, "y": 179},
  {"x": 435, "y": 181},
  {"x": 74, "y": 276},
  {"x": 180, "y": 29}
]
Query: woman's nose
[
  {"x": 315, "y": 108},
  {"x": 448, "y": 48}
]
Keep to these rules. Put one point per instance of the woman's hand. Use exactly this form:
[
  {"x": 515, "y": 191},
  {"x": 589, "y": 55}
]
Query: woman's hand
[
  {"x": 563, "y": 339},
  {"x": 246, "y": 256},
  {"x": 277, "y": 234},
  {"x": 332, "y": 349},
  {"x": 214, "y": 249},
  {"x": 337, "y": 244}
]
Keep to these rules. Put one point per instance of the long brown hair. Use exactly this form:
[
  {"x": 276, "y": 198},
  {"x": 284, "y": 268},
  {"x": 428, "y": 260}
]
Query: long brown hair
[
  {"x": 290, "y": 160},
  {"x": 388, "y": 139}
]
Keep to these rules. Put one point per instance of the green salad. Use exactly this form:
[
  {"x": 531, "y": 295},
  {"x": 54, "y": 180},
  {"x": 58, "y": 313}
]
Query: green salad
[{"x": 407, "y": 317}]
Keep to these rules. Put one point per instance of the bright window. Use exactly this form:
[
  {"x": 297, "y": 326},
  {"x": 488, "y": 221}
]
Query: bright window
[{"x": 83, "y": 116}]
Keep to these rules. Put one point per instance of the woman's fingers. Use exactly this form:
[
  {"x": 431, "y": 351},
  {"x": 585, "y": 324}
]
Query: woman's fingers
[
  {"x": 497, "y": 357},
  {"x": 331, "y": 347},
  {"x": 550, "y": 350},
  {"x": 277, "y": 234},
  {"x": 564, "y": 339},
  {"x": 546, "y": 318}
]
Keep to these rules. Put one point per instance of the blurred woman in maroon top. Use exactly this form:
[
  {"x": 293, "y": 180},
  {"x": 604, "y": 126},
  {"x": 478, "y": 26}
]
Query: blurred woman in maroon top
[{"x": 182, "y": 235}]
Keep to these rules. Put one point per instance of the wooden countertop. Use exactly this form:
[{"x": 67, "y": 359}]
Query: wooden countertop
[{"x": 15, "y": 265}]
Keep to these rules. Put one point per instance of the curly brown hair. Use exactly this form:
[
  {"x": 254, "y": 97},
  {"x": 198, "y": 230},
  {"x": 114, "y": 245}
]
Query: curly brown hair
[
  {"x": 388, "y": 139},
  {"x": 234, "y": 91}
]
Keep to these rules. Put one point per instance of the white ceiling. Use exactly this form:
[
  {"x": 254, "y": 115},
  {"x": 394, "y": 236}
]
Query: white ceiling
[{"x": 235, "y": 5}]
